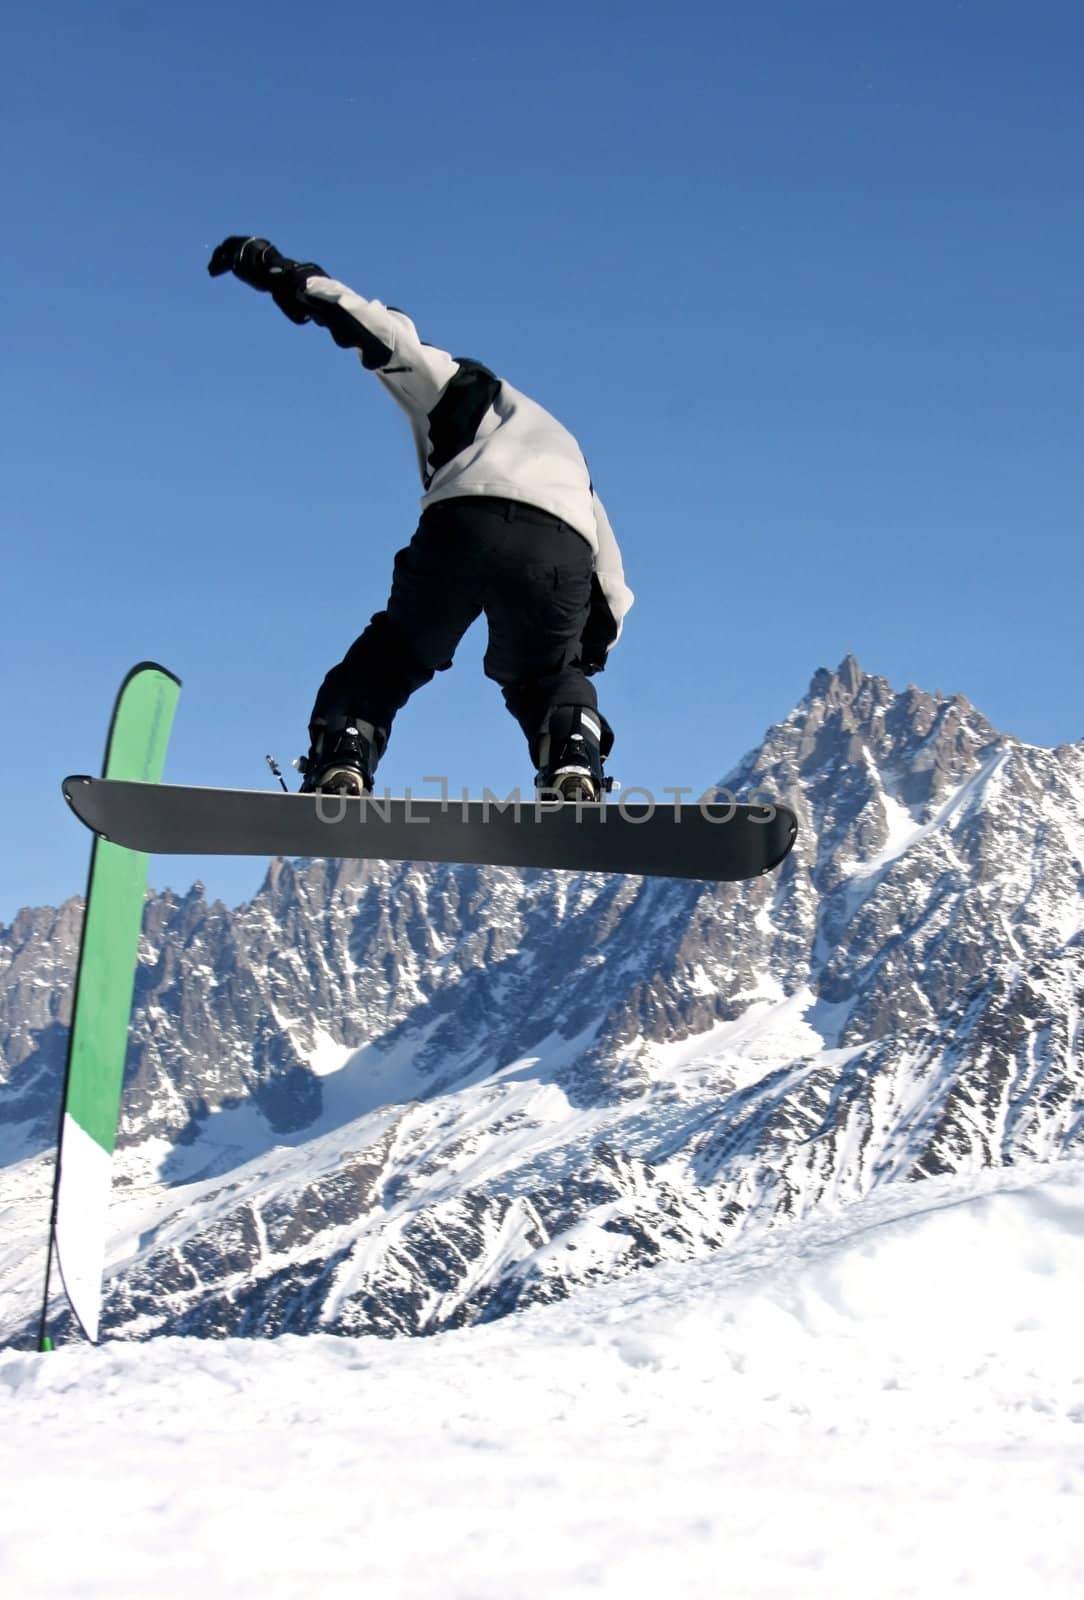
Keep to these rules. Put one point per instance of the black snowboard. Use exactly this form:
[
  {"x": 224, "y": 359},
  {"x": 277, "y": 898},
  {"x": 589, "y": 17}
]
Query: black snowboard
[{"x": 718, "y": 842}]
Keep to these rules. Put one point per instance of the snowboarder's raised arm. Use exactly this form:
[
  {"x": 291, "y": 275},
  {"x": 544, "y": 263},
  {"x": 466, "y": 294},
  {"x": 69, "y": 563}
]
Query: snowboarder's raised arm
[{"x": 386, "y": 340}]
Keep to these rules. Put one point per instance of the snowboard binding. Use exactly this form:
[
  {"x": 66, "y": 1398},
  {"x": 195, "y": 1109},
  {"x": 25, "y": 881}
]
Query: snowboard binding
[
  {"x": 342, "y": 758},
  {"x": 570, "y": 757}
]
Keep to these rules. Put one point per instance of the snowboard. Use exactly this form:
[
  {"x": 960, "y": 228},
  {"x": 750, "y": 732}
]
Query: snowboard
[{"x": 717, "y": 842}]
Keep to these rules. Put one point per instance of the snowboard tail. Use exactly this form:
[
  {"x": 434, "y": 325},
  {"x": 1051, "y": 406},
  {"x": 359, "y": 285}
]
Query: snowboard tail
[{"x": 718, "y": 843}]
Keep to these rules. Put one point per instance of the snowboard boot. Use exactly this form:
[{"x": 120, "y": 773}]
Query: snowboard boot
[
  {"x": 569, "y": 756},
  {"x": 342, "y": 757}
]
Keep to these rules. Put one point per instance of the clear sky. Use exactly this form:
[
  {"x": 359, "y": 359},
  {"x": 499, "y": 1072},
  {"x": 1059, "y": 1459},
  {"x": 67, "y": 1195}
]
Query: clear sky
[{"x": 804, "y": 276}]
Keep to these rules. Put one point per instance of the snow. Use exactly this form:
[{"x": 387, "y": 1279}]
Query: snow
[
  {"x": 866, "y": 1403},
  {"x": 327, "y": 1056},
  {"x": 904, "y": 832}
]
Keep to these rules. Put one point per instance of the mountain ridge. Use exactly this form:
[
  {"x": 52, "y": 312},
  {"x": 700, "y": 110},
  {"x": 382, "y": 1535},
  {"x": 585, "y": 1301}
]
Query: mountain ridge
[{"x": 594, "y": 1073}]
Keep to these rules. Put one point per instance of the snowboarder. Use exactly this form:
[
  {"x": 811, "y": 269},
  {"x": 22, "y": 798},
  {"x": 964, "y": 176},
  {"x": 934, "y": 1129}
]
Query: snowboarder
[{"x": 511, "y": 525}]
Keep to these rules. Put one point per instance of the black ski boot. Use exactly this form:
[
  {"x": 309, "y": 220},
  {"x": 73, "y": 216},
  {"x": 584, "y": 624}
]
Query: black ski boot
[
  {"x": 570, "y": 758},
  {"x": 342, "y": 757}
]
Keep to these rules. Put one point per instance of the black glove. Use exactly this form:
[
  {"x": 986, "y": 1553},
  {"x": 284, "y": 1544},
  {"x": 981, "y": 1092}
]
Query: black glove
[
  {"x": 257, "y": 263},
  {"x": 599, "y": 633}
]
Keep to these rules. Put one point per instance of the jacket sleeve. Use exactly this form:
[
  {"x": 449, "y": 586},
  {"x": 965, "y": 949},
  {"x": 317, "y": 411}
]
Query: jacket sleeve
[
  {"x": 386, "y": 340},
  {"x": 611, "y": 596}
]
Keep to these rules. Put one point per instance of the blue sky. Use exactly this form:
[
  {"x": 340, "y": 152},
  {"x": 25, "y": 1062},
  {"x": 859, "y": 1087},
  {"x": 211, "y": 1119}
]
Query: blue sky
[{"x": 804, "y": 278}]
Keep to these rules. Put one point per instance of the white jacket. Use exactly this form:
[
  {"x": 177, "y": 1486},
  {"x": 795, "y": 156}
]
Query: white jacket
[{"x": 474, "y": 433}]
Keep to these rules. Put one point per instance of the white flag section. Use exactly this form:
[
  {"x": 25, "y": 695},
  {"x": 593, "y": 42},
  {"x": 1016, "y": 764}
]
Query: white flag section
[{"x": 82, "y": 1204}]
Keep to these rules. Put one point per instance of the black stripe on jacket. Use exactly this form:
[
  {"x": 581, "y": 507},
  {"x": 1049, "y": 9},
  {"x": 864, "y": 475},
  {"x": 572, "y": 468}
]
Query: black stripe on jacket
[{"x": 455, "y": 419}]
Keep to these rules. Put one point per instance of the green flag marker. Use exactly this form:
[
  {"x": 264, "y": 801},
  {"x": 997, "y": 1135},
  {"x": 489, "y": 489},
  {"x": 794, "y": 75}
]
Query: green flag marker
[{"x": 105, "y": 980}]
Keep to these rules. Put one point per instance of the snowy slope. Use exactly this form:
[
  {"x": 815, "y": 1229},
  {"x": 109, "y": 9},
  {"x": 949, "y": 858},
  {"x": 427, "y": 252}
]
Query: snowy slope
[
  {"x": 398, "y": 1099},
  {"x": 867, "y": 1404}
]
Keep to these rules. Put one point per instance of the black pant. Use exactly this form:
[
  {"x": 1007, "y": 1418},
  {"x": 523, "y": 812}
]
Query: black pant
[{"x": 531, "y": 575}]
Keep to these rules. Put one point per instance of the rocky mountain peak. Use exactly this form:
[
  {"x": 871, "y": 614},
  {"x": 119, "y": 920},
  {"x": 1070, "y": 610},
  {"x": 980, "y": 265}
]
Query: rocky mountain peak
[
  {"x": 838, "y": 687},
  {"x": 856, "y": 745}
]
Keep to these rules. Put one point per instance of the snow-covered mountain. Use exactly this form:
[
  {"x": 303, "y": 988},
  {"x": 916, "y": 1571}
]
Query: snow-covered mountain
[{"x": 400, "y": 1098}]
